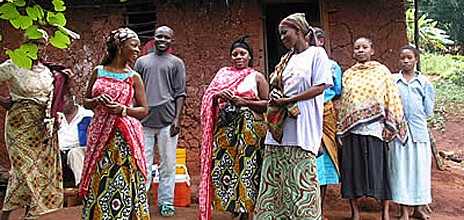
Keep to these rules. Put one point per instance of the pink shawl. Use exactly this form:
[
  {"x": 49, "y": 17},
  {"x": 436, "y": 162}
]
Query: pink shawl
[
  {"x": 226, "y": 78},
  {"x": 103, "y": 125}
]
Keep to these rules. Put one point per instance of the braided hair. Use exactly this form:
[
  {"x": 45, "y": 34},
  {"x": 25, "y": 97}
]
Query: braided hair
[{"x": 114, "y": 41}]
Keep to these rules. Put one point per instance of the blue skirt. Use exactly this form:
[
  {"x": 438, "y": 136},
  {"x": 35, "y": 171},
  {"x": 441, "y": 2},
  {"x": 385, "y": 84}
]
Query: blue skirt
[
  {"x": 410, "y": 171},
  {"x": 326, "y": 171}
]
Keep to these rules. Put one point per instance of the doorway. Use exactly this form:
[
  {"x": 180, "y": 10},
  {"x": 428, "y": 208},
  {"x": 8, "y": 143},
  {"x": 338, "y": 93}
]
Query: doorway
[{"x": 274, "y": 13}]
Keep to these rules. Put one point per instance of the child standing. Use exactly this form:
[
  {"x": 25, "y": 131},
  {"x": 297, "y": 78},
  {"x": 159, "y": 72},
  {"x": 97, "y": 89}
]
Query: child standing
[{"x": 410, "y": 164}]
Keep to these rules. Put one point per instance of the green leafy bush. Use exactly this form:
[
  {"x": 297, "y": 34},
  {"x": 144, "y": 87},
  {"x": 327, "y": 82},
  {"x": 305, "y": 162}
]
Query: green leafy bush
[
  {"x": 445, "y": 66},
  {"x": 449, "y": 100}
]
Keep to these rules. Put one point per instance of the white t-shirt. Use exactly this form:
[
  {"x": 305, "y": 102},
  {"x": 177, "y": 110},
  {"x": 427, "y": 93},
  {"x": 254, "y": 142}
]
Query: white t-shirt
[
  {"x": 310, "y": 67},
  {"x": 68, "y": 134}
]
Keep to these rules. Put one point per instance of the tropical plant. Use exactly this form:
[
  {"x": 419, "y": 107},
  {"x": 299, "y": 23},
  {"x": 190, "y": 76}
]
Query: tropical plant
[
  {"x": 449, "y": 13},
  {"x": 430, "y": 36},
  {"x": 28, "y": 16}
]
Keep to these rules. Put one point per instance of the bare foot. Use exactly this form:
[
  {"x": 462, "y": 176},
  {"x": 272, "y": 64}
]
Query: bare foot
[
  {"x": 420, "y": 213},
  {"x": 386, "y": 210},
  {"x": 354, "y": 210},
  {"x": 404, "y": 213}
]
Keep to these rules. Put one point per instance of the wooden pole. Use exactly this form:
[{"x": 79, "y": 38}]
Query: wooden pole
[{"x": 416, "y": 28}]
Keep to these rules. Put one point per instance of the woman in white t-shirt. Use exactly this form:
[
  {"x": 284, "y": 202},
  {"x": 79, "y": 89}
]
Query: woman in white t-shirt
[{"x": 289, "y": 188}]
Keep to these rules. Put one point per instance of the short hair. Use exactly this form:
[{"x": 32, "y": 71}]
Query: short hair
[
  {"x": 319, "y": 33},
  {"x": 368, "y": 40},
  {"x": 413, "y": 49}
]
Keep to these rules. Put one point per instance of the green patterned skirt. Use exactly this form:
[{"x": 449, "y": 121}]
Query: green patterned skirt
[
  {"x": 117, "y": 187},
  {"x": 289, "y": 188},
  {"x": 36, "y": 181},
  {"x": 237, "y": 163}
]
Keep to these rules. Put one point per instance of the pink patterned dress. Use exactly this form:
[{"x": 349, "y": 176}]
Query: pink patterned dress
[{"x": 114, "y": 175}]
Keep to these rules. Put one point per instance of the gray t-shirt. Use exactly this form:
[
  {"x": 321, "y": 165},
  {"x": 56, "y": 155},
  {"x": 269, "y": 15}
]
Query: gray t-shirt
[{"x": 164, "y": 80}]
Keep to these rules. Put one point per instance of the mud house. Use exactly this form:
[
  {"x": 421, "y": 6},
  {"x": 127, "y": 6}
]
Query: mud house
[{"x": 204, "y": 30}]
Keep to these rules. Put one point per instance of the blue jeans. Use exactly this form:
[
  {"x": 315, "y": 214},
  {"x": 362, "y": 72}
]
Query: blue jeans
[{"x": 167, "y": 158}]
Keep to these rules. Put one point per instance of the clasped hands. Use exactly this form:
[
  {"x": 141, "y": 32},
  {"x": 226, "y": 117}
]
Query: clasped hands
[
  {"x": 106, "y": 100},
  {"x": 228, "y": 95},
  {"x": 276, "y": 98}
]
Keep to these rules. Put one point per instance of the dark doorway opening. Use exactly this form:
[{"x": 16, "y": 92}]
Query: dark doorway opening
[{"x": 274, "y": 13}]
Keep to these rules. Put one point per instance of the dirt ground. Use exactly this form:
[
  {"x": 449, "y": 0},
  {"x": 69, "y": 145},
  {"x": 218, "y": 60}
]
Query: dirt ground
[{"x": 447, "y": 190}]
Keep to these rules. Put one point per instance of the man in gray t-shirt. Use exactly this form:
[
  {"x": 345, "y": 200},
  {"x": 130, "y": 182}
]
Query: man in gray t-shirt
[{"x": 163, "y": 75}]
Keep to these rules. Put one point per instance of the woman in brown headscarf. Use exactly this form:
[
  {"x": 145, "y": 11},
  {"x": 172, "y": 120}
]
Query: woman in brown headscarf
[
  {"x": 35, "y": 182},
  {"x": 289, "y": 187}
]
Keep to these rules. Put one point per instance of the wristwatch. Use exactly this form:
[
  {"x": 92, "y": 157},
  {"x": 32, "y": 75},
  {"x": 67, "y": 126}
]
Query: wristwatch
[{"x": 124, "y": 111}]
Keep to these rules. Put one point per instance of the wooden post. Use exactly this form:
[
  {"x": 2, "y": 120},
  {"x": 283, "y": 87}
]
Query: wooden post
[
  {"x": 436, "y": 156},
  {"x": 416, "y": 29}
]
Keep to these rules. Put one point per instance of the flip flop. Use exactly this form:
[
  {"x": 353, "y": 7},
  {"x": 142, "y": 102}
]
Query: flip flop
[{"x": 167, "y": 210}]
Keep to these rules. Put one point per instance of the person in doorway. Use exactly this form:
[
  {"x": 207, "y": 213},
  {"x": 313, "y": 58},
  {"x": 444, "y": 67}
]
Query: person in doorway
[
  {"x": 233, "y": 141},
  {"x": 289, "y": 188},
  {"x": 35, "y": 181},
  {"x": 163, "y": 75},
  {"x": 327, "y": 163},
  {"x": 371, "y": 115},
  {"x": 114, "y": 175},
  {"x": 411, "y": 164},
  {"x": 68, "y": 135}
]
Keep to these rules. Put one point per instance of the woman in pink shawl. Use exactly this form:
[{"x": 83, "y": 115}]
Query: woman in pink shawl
[
  {"x": 114, "y": 175},
  {"x": 233, "y": 136}
]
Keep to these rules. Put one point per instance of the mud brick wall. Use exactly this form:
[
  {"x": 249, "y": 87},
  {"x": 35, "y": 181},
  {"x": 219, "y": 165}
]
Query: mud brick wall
[
  {"x": 383, "y": 21},
  {"x": 203, "y": 36}
]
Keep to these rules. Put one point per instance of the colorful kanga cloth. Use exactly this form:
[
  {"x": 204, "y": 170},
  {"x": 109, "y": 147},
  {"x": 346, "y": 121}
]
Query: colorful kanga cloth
[
  {"x": 32, "y": 144},
  {"x": 369, "y": 94},
  {"x": 276, "y": 115},
  {"x": 36, "y": 175},
  {"x": 237, "y": 160},
  {"x": 103, "y": 125},
  {"x": 226, "y": 78},
  {"x": 117, "y": 187},
  {"x": 289, "y": 188}
]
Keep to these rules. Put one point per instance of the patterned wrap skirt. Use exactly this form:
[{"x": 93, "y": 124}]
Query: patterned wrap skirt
[
  {"x": 364, "y": 167},
  {"x": 36, "y": 180},
  {"x": 237, "y": 160},
  {"x": 289, "y": 187},
  {"x": 117, "y": 187}
]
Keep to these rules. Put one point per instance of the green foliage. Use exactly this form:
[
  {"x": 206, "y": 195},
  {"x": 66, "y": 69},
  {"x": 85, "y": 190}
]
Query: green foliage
[
  {"x": 445, "y": 66},
  {"x": 430, "y": 36},
  {"x": 24, "y": 55},
  {"x": 35, "y": 13},
  {"x": 449, "y": 87},
  {"x": 60, "y": 40},
  {"x": 450, "y": 13},
  {"x": 458, "y": 77},
  {"x": 27, "y": 16},
  {"x": 449, "y": 100},
  {"x": 59, "y": 5},
  {"x": 33, "y": 33}
]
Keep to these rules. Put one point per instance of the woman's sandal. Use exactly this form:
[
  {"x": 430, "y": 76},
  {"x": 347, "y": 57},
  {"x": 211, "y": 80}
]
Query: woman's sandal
[{"x": 167, "y": 210}]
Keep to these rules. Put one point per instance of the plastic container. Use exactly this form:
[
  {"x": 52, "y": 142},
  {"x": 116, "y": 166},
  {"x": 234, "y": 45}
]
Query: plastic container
[
  {"x": 181, "y": 189},
  {"x": 181, "y": 159},
  {"x": 82, "y": 130}
]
